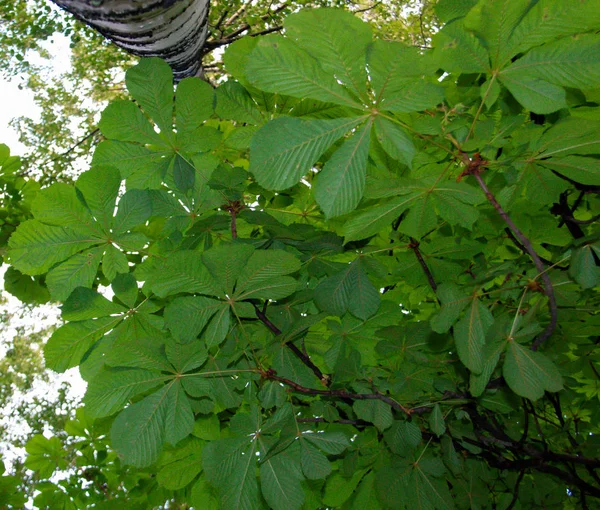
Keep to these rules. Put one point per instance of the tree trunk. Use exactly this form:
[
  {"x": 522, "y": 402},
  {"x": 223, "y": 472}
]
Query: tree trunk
[{"x": 174, "y": 30}]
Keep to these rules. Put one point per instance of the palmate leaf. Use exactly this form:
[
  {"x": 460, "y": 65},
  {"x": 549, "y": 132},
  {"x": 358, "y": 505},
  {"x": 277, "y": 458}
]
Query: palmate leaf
[
  {"x": 277, "y": 65},
  {"x": 111, "y": 389},
  {"x": 285, "y": 149},
  {"x": 36, "y": 247},
  {"x": 337, "y": 39},
  {"x": 494, "y": 22},
  {"x": 150, "y": 83},
  {"x": 453, "y": 201},
  {"x": 124, "y": 121},
  {"x": 529, "y": 374},
  {"x": 460, "y": 51},
  {"x": 341, "y": 183},
  {"x": 187, "y": 316},
  {"x": 550, "y": 19},
  {"x": 349, "y": 290},
  {"x": 230, "y": 465},
  {"x": 70, "y": 342}
]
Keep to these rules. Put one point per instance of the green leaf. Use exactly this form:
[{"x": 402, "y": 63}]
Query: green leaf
[
  {"x": 111, "y": 389},
  {"x": 225, "y": 263},
  {"x": 150, "y": 83},
  {"x": 136, "y": 163},
  {"x": 86, "y": 304},
  {"x": 277, "y": 65},
  {"x": 403, "y": 437},
  {"x": 314, "y": 464},
  {"x": 545, "y": 22},
  {"x": 374, "y": 411},
  {"x": 134, "y": 209},
  {"x": 332, "y": 443},
  {"x": 183, "y": 271},
  {"x": 187, "y": 316},
  {"x": 100, "y": 187},
  {"x": 194, "y": 104},
  {"x": 185, "y": 357},
  {"x": 280, "y": 483},
  {"x": 125, "y": 288},
  {"x": 529, "y": 374},
  {"x": 578, "y": 168},
  {"x": 286, "y": 148},
  {"x": 184, "y": 174},
  {"x": 235, "y": 103},
  {"x": 139, "y": 431},
  {"x": 59, "y": 205},
  {"x": 337, "y": 40},
  {"x": 263, "y": 275},
  {"x": 460, "y": 51},
  {"x": 114, "y": 262},
  {"x": 180, "y": 473},
  {"x": 230, "y": 465},
  {"x": 339, "y": 489},
  {"x": 469, "y": 334},
  {"x": 349, "y": 290},
  {"x": 67, "y": 345},
  {"x": 583, "y": 266},
  {"x": 123, "y": 120},
  {"x": 341, "y": 182},
  {"x": 536, "y": 95},
  {"x": 395, "y": 141},
  {"x": 453, "y": 301},
  {"x": 436, "y": 421},
  {"x": 374, "y": 219},
  {"x": 77, "y": 271},
  {"x": 566, "y": 62},
  {"x": 35, "y": 247},
  {"x": 218, "y": 327}
]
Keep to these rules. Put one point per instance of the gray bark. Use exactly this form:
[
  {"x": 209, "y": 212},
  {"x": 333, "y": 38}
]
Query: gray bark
[{"x": 174, "y": 30}]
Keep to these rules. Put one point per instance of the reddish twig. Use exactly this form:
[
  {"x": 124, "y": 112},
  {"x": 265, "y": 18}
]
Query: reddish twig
[{"x": 474, "y": 167}]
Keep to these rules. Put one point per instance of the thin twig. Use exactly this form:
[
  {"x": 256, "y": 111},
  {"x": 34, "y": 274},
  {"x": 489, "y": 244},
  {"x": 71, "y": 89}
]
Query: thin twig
[
  {"x": 549, "y": 290},
  {"x": 414, "y": 246},
  {"x": 271, "y": 375},
  {"x": 513, "y": 502},
  {"x": 71, "y": 149},
  {"x": 324, "y": 378}
]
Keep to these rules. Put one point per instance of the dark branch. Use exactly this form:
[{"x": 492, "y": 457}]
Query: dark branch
[
  {"x": 270, "y": 374},
  {"x": 549, "y": 290},
  {"x": 414, "y": 246},
  {"x": 324, "y": 378}
]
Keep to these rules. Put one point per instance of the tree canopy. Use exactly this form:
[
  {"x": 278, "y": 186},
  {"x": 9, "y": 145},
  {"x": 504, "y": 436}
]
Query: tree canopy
[{"x": 357, "y": 273}]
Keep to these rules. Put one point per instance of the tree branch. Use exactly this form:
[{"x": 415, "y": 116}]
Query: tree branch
[
  {"x": 414, "y": 246},
  {"x": 324, "y": 378},
  {"x": 271, "y": 375},
  {"x": 549, "y": 290}
]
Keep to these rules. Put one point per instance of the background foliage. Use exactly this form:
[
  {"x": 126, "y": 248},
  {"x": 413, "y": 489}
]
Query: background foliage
[{"x": 356, "y": 274}]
